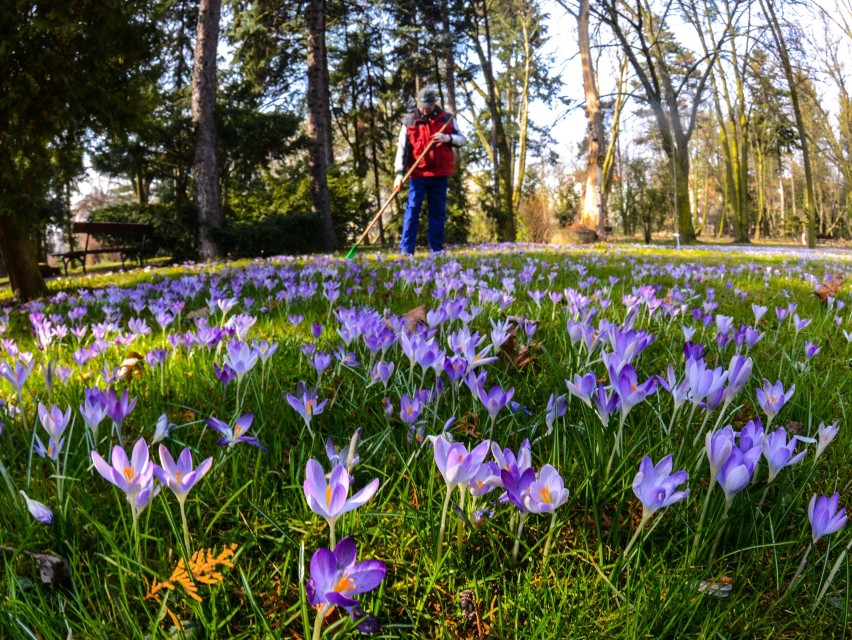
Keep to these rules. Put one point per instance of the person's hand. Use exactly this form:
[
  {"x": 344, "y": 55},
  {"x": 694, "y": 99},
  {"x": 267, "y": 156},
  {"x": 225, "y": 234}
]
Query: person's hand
[
  {"x": 443, "y": 138},
  {"x": 397, "y": 183}
]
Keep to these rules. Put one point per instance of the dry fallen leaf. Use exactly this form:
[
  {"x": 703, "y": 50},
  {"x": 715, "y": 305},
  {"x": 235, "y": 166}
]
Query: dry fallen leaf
[
  {"x": 131, "y": 364},
  {"x": 415, "y": 316},
  {"x": 830, "y": 287}
]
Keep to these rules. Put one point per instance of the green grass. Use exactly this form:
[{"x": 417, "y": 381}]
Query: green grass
[{"x": 585, "y": 589}]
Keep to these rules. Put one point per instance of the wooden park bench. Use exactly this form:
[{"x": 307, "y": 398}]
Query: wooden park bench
[
  {"x": 825, "y": 237},
  {"x": 91, "y": 228}
]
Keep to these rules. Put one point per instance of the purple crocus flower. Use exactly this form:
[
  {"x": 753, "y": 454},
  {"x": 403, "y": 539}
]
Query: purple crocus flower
[
  {"x": 225, "y": 375},
  {"x": 703, "y": 381},
  {"x": 811, "y": 349},
  {"x": 54, "y": 421},
  {"x": 383, "y": 371},
  {"x": 321, "y": 361},
  {"x": 825, "y": 434},
  {"x": 119, "y": 409},
  {"x": 604, "y": 404},
  {"x": 347, "y": 457},
  {"x": 800, "y": 323},
  {"x": 231, "y": 436},
  {"x": 655, "y": 485},
  {"x": 241, "y": 358},
  {"x": 547, "y": 492},
  {"x": 824, "y": 516},
  {"x": 506, "y": 460},
  {"x": 17, "y": 375},
  {"x": 556, "y": 408},
  {"x": 180, "y": 476},
  {"x": 517, "y": 487},
  {"x": 306, "y": 404},
  {"x": 630, "y": 392},
  {"x": 772, "y": 397},
  {"x": 679, "y": 390},
  {"x": 134, "y": 476},
  {"x": 752, "y": 435},
  {"x": 455, "y": 368},
  {"x": 336, "y": 577},
  {"x": 693, "y": 351},
  {"x": 718, "y": 446},
  {"x": 265, "y": 350},
  {"x": 739, "y": 372},
  {"x": 495, "y": 399},
  {"x": 39, "y": 511},
  {"x": 330, "y": 498},
  {"x": 457, "y": 466},
  {"x": 582, "y": 387},
  {"x": 737, "y": 471},
  {"x": 93, "y": 412},
  {"x": 162, "y": 430},
  {"x": 410, "y": 408},
  {"x": 778, "y": 452}
]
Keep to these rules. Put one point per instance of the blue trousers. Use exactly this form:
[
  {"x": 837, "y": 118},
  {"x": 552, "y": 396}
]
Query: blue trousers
[{"x": 434, "y": 191}]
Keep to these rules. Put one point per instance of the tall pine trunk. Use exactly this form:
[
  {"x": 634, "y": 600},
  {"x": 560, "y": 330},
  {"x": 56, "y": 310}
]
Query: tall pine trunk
[
  {"x": 205, "y": 165},
  {"x": 318, "y": 125},
  {"x": 24, "y": 276}
]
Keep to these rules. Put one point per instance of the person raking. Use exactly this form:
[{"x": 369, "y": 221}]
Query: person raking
[{"x": 430, "y": 179}]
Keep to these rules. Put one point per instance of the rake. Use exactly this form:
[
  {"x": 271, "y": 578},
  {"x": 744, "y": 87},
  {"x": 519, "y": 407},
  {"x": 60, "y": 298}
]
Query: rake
[{"x": 396, "y": 190}]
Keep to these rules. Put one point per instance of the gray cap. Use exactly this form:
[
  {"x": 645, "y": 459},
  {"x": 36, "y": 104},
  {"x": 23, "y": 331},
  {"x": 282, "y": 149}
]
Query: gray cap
[{"x": 426, "y": 98}]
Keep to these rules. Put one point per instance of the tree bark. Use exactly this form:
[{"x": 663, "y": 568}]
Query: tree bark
[
  {"x": 500, "y": 146},
  {"x": 318, "y": 121},
  {"x": 24, "y": 276},
  {"x": 781, "y": 45},
  {"x": 449, "y": 58},
  {"x": 205, "y": 164},
  {"x": 592, "y": 212}
]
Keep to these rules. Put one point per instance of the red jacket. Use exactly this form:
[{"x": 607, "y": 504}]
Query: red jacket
[{"x": 440, "y": 160}]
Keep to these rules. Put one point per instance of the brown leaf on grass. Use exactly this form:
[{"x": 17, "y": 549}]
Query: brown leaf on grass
[
  {"x": 415, "y": 316},
  {"x": 829, "y": 287},
  {"x": 468, "y": 425},
  {"x": 794, "y": 427},
  {"x": 131, "y": 364},
  {"x": 514, "y": 353},
  {"x": 202, "y": 312}
]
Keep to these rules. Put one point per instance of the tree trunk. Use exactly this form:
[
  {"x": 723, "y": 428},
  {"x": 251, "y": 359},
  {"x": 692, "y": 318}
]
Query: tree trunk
[
  {"x": 24, "y": 276},
  {"x": 205, "y": 164},
  {"x": 318, "y": 124},
  {"x": 781, "y": 45},
  {"x": 449, "y": 58},
  {"x": 502, "y": 157},
  {"x": 592, "y": 213}
]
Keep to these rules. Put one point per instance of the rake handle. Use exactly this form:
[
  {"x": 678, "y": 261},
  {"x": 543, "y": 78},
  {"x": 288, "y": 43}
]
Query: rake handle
[{"x": 404, "y": 178}]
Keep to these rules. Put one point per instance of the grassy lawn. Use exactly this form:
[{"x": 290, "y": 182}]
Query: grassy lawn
[{"x": 256, "y": 365}]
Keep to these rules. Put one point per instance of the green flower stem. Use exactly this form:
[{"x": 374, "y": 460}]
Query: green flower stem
[
  {"x": 187, "y": 541},
  {"x": 443, "y": 525},
  {"x": 318, "y": 623},
  {"x": 704, "y": 511},
  {"x": 799, "y": 570},
  {"x": 332, "y": 538},
  {"x": 721, "y": 531},
  {"x": 549, "y": 542},
  {"x": 517, "y": 546},
  {"x": 616, "y": 447},
  {"x": 459, "y": 527},
  {"x": 645, "y": 517},
  {"x": 834, "y": 569}
]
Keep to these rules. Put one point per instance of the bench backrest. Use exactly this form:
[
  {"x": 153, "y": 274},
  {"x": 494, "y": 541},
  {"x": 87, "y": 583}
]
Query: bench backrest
[{"x": 111, "y": 228}]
